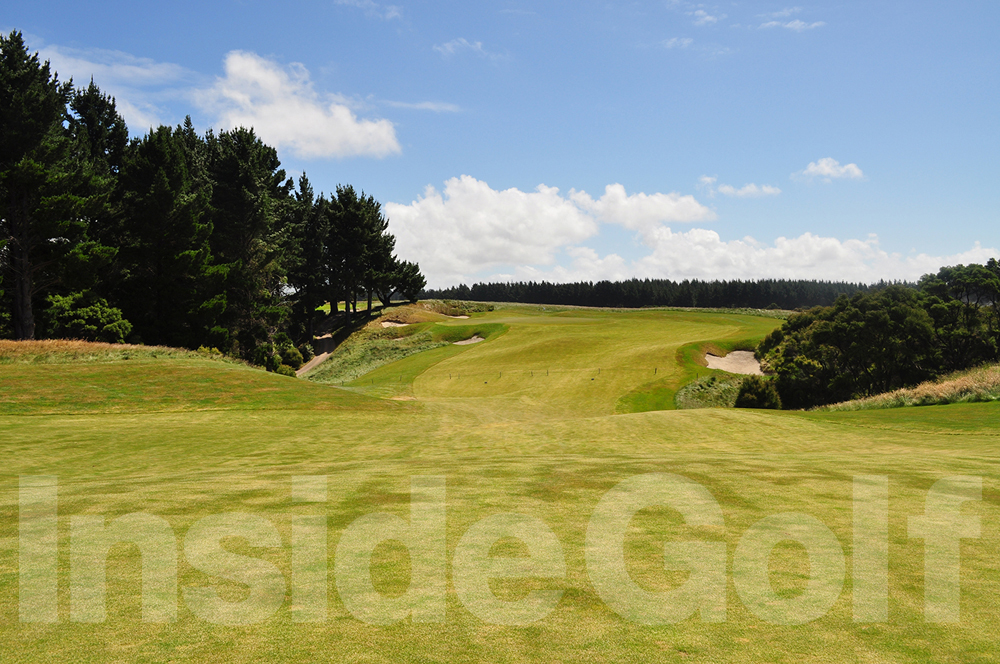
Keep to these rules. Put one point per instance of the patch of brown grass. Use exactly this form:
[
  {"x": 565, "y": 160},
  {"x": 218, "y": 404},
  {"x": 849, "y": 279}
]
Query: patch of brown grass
[
  {"x": 60, "y": 351},
  {"x": 979, "y": 384}
]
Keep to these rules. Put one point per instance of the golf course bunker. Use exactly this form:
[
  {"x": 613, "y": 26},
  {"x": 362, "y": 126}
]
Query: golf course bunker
[
  {"x": 737, "y": 362},
  {"x": 392, "y": 323},
  {"x": 472, "y": 340}
]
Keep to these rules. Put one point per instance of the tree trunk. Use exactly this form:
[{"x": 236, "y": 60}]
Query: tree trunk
[
  {"x": 369, "y": 303},
  {"x": 24, "y": 317}
]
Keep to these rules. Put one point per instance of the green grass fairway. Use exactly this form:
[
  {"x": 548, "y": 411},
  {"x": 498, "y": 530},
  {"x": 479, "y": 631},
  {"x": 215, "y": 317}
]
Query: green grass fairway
[{"x": 577, "y": 410}]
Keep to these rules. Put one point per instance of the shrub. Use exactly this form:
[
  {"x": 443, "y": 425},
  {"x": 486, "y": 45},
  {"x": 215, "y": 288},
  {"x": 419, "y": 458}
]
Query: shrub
[
  {"x": 83, "y": 316},
  {"x": 285, "y": 370},
  {"x": 758, "y": 392},
  {"x": 291, "y": 357},
  {"x": 307, "y": 352}
]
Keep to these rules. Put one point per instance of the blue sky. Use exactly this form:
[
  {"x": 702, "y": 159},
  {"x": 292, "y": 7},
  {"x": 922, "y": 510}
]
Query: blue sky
[{"x": 591, "y": 140}]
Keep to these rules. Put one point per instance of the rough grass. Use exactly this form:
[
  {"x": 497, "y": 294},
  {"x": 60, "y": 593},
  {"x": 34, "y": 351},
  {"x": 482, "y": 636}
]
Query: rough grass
[
  {"x": 68, "y": 377},
  {"x": 715, "y": 391},
  {"x": 973, "y": 385},
  {"x": 63, "y": 351},
  {"x": 375, "y": 346}
]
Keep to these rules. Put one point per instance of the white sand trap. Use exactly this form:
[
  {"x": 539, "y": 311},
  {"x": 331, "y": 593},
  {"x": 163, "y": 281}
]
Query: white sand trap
[
  {"x": 392, "y": 323},
  {"x": 737, "y": 362},
  {"x": 457, "y": 316},
  {"x": 474, "y": 340}
]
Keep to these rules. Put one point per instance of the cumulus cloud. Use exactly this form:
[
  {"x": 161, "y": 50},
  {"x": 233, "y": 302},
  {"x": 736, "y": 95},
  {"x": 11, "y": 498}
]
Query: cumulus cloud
[
  {"x": 470, "y": 227},
  {"x": 830, "y": 169},
  {"x": 701, "y": 254},
  {"x": 470, "y": 231},
  {"x": 640, "y": 212},
  {"x": 796, "y": 25},
  {"x": 285, "y": 110},
  {"x": 677, "y": 42},
  {"x": 463, "y": 45},
  {"x": 373, "y": 9}
]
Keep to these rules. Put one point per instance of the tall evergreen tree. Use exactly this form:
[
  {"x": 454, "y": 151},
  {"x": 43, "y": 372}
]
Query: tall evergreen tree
[
  {"x": 49, "y": 189},
  {"x": 165, "y": 255},
  {"x": 32, "y": 143},
  {"x": 249, "y": 201},
  {"x": 313, "y": 246}
]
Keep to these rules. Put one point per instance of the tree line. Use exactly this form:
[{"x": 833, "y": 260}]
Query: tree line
[
  {"x": 887, "y": 338},
  {"x": 762, "y": 294},
  {"x": 176, "y": 238}
]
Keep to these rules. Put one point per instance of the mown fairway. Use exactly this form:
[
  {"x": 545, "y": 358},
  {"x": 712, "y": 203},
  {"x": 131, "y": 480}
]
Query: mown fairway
[{"x": 183, "y": 438}]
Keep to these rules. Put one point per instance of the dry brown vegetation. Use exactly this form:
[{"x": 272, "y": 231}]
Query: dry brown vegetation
[
  {"x": 57, "y": 351},
  {"x": 980, "y": 384}
]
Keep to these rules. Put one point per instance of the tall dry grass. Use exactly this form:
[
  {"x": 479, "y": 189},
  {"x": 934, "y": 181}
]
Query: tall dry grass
[
  {"x": 59, "y": 351},
  {"x": 979, "y": 384}
]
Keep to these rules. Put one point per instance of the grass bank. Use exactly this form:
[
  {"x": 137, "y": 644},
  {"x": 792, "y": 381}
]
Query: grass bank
[{"x": 969, "y": 386}]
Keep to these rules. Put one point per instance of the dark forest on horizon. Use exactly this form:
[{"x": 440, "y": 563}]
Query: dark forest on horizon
[{"x": 632, "y": 293}]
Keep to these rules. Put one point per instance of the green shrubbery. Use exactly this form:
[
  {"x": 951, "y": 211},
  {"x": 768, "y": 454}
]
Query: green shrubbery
[
  {"x": 890, "y": 338},
  {"x": 83, "y": 316},
  {"x": 758, "y": 392}
]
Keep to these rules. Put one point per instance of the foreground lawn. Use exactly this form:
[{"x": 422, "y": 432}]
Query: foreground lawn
[{"x": 549, "y": 450}]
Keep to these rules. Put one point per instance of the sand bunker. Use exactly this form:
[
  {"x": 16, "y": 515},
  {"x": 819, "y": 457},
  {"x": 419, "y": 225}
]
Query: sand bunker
[
  {"x": 392, "y": 323},
  {"x": 737, "y": 362},
  {"x": 474, "y": 340},
  {"x": 456, "y": 316}
]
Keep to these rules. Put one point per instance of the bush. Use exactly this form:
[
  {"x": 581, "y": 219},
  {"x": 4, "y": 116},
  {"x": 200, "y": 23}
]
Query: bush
[
  {"x": 285, "y": 370},
  {"x": 307, "y": 352},
  {"x": 291, "y": 357},
  {"x": 83, "y": 316},
  {"x": 758, "y": 392}
]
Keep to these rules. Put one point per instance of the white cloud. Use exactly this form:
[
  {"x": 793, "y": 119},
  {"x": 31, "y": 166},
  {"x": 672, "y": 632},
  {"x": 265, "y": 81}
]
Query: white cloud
[
  {"x": 701, "y": 17},
  {"x": 472, "y": 232},
  {"x": 748, "y": 190},
  {"x": 641, "y": 212},
  {"x": 784, "y": 13},
  {"x": 677, "y": 42},
  {"x": 830, "y": 169},
  {"x": 796, "y": 25},
  {"x": 435, "y": 106},
  {"x": 286, "y": 112},
  {"x": 373, "y": 9},
  {"x": 140, "y": 86},
  {"x": 701, "y": 254},
  {"x": 462, "y": 45},
  {"x": 470, "y": 227}
]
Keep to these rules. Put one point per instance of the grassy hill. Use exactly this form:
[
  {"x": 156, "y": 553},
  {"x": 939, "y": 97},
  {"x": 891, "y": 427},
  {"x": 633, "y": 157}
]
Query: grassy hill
[
  {"x": 969, "y": 386},
  {"x": 183, "y": 436}
]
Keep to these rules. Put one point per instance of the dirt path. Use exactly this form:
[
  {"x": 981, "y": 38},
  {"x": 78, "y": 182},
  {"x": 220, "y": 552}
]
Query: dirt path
[{"x": 312, "y": 364}]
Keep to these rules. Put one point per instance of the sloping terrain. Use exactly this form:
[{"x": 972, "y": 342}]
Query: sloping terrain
[{"x": 546, "y": 447}]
